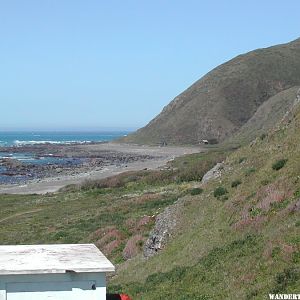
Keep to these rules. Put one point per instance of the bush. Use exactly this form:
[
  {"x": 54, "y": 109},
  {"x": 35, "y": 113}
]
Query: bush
[
  {"x": 196, "y": 191},
  {"x": 250, "y": 171},
  {"x": 279, "y": 164},
  {"x": 280, "y": 205},
  {"x": 276, "y": 252},
  {"x": 220, "y": 191},
  {"x": 255, "y": 211},
  {"x": 263, "y": 136},
  {"x": 285, "y": 279},
  {"x": 265, "y": 182},
  {"x": 297, "y": 193},
  {"x": 235, "y": 183},
  {"x": 242, "y": 159}
]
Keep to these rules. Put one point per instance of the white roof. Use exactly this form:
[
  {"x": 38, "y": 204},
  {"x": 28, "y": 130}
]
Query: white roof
[{"x": 42, "y": 259}]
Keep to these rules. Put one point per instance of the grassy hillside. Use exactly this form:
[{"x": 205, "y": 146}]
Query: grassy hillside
[
  {"x": 266, "y": 116},
  {"x": 239, "y": 239},
  {"x": 110, "y": 213},
  {"x": 224, "y": 100}
]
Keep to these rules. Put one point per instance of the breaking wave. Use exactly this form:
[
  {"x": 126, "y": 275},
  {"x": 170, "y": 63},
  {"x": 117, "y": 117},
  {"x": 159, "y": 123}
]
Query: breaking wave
[{"x": 21, "y": 143}]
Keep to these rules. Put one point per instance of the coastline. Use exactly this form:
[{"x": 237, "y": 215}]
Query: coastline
[{"x": 119, "y": 158}]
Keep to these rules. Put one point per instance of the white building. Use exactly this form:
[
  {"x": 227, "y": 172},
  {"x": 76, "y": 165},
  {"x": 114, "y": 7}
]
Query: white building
[{"x": 56, "y": 272}]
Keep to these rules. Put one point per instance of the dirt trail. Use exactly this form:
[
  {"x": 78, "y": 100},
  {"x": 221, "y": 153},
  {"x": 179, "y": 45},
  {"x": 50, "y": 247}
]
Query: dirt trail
[{"x": 20, "y": 214}]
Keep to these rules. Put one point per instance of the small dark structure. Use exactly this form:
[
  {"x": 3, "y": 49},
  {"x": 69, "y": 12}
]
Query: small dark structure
[{"x": 163, "y": 143}]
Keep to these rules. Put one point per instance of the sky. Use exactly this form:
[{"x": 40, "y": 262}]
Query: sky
[{"x": 98, "y": 64}]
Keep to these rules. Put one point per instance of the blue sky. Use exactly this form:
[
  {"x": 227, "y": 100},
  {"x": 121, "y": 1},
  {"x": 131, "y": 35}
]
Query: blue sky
[{"x": 70, "y": 64}]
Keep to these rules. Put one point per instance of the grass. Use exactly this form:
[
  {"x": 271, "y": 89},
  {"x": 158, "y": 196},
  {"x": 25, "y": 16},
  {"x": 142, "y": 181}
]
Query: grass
[
  {"x": 83, "y": 213},
  {"x": 250, "y": 171},
  {"x": 241, "y": 248},
  {"x": 75, "y": 217},
  {"x": 183, "y": 169}
]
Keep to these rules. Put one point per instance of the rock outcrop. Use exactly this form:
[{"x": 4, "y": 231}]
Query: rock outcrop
[
  {"x": 164, "y": 227},
  {"x": 213, "y": 173}
]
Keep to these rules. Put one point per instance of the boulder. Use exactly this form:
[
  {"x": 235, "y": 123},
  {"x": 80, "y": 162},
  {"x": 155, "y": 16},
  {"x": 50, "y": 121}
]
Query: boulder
[{"x": 213, "y": 173}]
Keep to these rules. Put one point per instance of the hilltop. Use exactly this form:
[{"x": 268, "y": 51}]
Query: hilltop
[{"x": 224, "y": 100}]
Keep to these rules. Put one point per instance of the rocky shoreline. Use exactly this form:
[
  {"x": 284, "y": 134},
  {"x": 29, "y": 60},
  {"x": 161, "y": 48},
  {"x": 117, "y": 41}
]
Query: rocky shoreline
[
  {"x": 55, "y": 166},
  {"x": 63, "y": 160}
]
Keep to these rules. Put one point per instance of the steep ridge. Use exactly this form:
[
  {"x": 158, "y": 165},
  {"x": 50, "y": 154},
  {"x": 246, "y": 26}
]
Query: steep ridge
[
  {"x": 267, "y": 115},
  {"x": 221, "y": 102},
  {"x": 239, "y": 239}
]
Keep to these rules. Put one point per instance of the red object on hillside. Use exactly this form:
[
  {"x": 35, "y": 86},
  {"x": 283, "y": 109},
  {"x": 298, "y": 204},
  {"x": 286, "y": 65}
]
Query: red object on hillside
[
  {"x": 117, "y": 297},
  {"x": 125, "y": 297}
]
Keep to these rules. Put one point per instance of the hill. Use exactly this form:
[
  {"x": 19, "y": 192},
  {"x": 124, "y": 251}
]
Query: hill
[
  {"x": 266, "y": 116},
  {"x": 219, "y": 104},
  {"x": 232, "y": 237},
  {"x": 239, "y": 238}
]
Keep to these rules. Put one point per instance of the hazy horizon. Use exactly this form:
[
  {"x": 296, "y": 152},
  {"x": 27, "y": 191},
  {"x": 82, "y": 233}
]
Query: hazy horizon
[{"x": 91, "y": 129}]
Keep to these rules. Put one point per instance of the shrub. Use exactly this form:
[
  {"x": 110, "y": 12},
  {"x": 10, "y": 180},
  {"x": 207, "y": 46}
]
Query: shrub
[
  {"x": 297, "y": 193},
  {"x": 242, "y": 159},
  {"x": 250, "y": 171},
  {"x": 276, "y": 252},
  {"x": 235, "y": 183},
  {"x": 296, "y": 257},
  {"x": 220, "y": 191},
  {"x": 265, "y": 182},
  {"x": 280, "y": 205},
  {"x": 196, "y": 191},
  {"x": 263, "y": 136},
  {"x": 279, "y": 164},
  {"x": 285, "y": 279},
  {"x": 255, "y": 211}
]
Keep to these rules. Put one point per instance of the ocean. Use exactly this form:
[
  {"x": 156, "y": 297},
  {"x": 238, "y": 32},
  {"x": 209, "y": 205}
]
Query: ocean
[{"x": 18, "y": 138}]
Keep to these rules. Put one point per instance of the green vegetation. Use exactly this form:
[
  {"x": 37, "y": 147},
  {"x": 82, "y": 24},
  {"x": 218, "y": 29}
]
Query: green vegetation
[
  {"x": 279, "y": 164},
  {"x": 220, "y": 191},
  {"x": 283, "y": 280},
  {"x": 255, "y": 211},
  {"x": 263, "y": 136},
  {"x": 116, "y": 206},
  {"x": 241, "y": 248},
  {"x": 266, "y": 117},
  {"x": 196, "y": 191},
  {"x": 242, "y": 159},
  {"x": 297, "y": 193},
  {"x": 250, "y": 171},
  {"x": 183, "y": 169},
  {"x": 236, "y": 183},
  {"x": 84, "y": 216}
]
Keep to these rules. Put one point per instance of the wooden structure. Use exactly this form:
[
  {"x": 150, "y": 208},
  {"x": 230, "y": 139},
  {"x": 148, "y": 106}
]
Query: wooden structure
[{"x": 57, "y": 272}]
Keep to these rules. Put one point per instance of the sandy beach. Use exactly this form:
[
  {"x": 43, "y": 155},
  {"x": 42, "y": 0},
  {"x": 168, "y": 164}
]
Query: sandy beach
[{"x": 141, "y": 157}]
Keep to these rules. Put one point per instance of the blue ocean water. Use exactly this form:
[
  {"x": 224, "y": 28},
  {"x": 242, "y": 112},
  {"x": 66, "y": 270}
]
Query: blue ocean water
[{"x": 17, "y": 138}]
